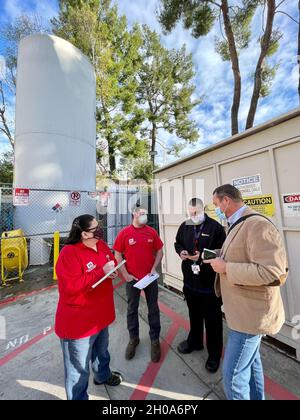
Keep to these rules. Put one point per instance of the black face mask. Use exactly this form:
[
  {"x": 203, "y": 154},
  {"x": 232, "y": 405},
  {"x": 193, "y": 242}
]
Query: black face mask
[{"x": 98, "y": 233}]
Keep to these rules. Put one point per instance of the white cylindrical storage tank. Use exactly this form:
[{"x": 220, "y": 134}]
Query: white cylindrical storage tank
[
  {"x": 55, "y": 116},
  {"x": 55, "y": 141}
]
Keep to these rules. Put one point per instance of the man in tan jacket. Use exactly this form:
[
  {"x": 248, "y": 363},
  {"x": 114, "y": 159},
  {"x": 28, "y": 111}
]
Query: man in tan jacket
[{"x": 251, "y": 267}]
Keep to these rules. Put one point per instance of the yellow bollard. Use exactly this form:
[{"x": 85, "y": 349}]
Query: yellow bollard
[{"x": 55, "y": 253}]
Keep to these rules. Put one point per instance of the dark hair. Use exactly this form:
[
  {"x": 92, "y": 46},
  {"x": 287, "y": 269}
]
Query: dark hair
[
  {"x": 138, "y": 206},
  {"x": 194, "y": 202},
  {"x": 229, "y": 191},
  {"x": 80, "y": 224}
]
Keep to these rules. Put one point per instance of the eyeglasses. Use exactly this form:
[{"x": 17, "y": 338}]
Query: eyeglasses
[{"x": 94, "y": 228}]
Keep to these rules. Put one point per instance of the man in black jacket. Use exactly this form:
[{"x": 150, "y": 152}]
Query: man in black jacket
[{"x": 195, "y": 234}]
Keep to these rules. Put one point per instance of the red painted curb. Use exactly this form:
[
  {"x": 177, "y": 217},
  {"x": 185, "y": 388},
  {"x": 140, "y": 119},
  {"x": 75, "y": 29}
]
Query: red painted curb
[
  {"x": 144, "y": 386},
  {"x": 277, "y": 392},
  {"x": 178, "y": 319},
  {"x": 24, "y": 347},
  {"x": 25, "y": 295}
]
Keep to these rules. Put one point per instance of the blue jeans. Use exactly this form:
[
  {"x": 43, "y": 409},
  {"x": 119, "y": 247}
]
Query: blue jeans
[
  {"x": 77, "y": 357},
  {"x": 243, "y": 377}
]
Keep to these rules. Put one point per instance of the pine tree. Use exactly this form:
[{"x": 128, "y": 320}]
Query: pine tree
[
  {"x": 96, "y": 29},
  {"x": 165, "y": 90}
]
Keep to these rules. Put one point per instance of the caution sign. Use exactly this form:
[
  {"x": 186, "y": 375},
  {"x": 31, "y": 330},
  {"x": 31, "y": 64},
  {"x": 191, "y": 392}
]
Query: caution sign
[
  {"x": 291, "y": 205},
  {"x": 21, "y": 197},
  {"x": 263, "y": 204},
  {"x": 75, "y": 198}
]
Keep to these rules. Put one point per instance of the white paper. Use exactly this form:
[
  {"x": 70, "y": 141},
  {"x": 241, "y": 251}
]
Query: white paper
[
  {"x": 145, "y": 281},
  {"x": 108, "y": 274}
]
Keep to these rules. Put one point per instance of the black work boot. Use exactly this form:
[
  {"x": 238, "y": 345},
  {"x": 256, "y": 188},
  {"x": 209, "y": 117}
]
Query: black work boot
[
  {"x": 131, "y": 347},
  {"x": 212, "y": 365},
  {"x": 155, "y": 351}
]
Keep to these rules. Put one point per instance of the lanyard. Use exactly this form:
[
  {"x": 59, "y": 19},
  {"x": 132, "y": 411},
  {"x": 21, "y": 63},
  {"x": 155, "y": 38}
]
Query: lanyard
[{"x": 197, "y": 235}]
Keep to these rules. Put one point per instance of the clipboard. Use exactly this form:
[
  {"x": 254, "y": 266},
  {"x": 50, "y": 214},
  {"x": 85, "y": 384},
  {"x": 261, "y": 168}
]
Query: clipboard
[
  {"x": 108, "y": 274},
  {"x": 145, "y": 281}
]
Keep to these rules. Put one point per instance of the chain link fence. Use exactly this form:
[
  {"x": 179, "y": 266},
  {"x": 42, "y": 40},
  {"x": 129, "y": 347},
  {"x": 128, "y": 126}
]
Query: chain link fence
[
  {"x": 115, "y": 209},
  {"x": 6, "y": 205},
  {"x": 29, "y": 219}
]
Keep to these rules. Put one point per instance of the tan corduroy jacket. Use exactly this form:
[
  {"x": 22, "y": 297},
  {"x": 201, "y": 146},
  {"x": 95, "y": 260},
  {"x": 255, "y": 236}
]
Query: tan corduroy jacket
[{"x": 256, "y": 268}]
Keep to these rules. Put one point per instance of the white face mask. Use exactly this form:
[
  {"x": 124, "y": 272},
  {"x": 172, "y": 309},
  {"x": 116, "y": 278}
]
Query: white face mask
[
  {"x": 199, "y": 218},
  {"x": 143, "y": 219}
]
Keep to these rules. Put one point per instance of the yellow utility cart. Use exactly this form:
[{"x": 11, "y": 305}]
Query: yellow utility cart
[{"x": 14, "y": 255}]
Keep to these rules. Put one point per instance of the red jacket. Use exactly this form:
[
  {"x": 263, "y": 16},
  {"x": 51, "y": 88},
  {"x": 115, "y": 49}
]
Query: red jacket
[{"x": 83, "y": 311}]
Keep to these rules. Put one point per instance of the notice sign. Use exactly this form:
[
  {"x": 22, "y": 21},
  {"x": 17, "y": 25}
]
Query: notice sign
[
  {"x": 248, "y": 185},
  {"x": 291, "y": 205},
  {"x": 75, "y": 198},
  {"x": 263, "y": 204},
  {"x": 21, "y": 197}
]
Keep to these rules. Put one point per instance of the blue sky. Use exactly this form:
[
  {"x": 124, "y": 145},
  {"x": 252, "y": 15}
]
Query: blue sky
[{"x": 213, "y": 76}]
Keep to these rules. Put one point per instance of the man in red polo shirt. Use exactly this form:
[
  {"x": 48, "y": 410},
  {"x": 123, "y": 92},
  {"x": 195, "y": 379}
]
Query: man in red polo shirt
[{"x": 142, "y": 248}]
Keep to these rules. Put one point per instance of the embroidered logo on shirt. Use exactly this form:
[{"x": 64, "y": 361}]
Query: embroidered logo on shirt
[
  {"x": 132, "y": 241},
  {"x": 150, "y": 240},
  {"x": 91, "y": 266}
]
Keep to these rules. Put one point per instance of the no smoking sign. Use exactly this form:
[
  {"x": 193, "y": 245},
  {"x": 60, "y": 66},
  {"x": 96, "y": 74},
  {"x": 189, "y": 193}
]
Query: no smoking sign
[{"x": 75, "y": 198}]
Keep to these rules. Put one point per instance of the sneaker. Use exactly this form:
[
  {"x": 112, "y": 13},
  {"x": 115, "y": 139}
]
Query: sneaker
[
  {"x": 131, "y": 347},
  {"x": 114, "y": 380},
  {"x": 155, "y": 351}
]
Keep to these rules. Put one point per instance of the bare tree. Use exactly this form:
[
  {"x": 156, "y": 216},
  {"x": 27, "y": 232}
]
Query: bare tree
[
  {"x": 4, "y": 124},
  {"x": 11, "y": 34}
]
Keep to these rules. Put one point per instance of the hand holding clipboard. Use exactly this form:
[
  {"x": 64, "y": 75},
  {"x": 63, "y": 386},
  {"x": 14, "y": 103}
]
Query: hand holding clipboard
[{"x": 109, "y": 274}]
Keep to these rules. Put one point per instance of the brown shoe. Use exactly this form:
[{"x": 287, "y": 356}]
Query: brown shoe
[
  {"x": 130, "y": 349},
  {"x": 155, "y": 351}
]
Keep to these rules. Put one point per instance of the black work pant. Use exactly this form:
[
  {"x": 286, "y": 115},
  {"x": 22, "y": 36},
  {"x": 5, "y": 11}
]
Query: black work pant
[
  {"x": 205, "y": 308},
  {"x": 133, "y": 299}
]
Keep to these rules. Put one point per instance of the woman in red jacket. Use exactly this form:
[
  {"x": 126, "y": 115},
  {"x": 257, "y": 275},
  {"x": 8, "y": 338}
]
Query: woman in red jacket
[{"x": 83, "y": 313}]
